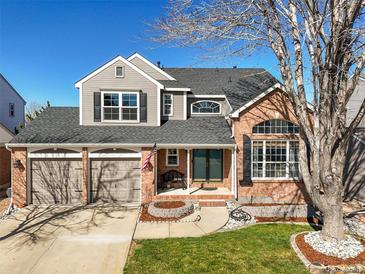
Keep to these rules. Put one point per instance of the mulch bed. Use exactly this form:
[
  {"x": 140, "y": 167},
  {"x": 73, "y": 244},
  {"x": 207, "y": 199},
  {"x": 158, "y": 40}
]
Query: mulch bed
[
  {"x": 169, "y": 204},
  {"x": 316, "y": 257},
  {"x": 146, "y": 217},
  {"x": 4, "y": 204},
  {"x": 287, "y": 219}
]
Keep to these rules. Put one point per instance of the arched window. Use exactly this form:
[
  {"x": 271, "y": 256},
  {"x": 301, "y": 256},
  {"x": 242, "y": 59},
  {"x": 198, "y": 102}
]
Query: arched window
[
  {"x": 275, "y": 127},
  {"x": 203, "y": 107}
]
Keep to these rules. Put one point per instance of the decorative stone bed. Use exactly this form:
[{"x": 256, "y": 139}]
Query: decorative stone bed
[
  {"x": 317, "y": 261},
  {"x": 169, "y": 211}
]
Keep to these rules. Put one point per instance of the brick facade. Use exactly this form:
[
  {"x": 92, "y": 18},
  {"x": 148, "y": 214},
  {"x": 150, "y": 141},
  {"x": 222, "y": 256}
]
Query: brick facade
[
  {"x": 85, "y": 175},
  {"x": 19, "y": 176},
  {"x": 147, "y": 178},
  {"x": 275, "y": 105},
  {"x": 5, "y": 161}
]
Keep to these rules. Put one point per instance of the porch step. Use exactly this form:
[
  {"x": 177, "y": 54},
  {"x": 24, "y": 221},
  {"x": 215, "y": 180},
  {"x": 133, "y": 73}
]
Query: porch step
[
  {"x": 221, "y": 197},
  {"x": 212, "y": 203}
]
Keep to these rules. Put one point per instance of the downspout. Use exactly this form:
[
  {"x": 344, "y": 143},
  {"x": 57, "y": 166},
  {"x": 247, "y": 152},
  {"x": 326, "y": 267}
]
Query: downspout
[{"x": 10, "y": 207}]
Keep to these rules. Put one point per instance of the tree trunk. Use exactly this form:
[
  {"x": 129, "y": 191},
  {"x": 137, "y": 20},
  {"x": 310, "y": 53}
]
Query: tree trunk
[{"x": 333, "y": 222}]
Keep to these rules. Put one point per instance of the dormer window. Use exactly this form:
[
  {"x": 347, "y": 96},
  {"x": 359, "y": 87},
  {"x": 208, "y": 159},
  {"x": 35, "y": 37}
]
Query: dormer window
[
  {"x": 206, "y": 107},
  {"x": 120, "y": 106},
  {"x": 119, "y": 72}
]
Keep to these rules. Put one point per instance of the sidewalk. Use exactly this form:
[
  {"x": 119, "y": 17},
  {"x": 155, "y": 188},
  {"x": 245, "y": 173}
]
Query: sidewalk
[{"x": 212, "y": 219}]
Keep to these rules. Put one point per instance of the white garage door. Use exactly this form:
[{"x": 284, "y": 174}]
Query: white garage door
[
  {"x": 115, "y": 180},
  {"x": 56, "y": 181}
]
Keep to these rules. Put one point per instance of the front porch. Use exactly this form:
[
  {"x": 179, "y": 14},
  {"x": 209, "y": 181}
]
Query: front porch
[{"x": 195, "y": 173}]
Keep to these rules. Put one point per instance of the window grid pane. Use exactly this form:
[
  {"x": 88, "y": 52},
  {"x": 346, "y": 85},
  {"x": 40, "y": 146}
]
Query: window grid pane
[
  {"x": 276, "y": 126},
  {"x": 167, "y": 104},
  {"x": 275, "y": 159},
  {"x": 206, "y": 107}
]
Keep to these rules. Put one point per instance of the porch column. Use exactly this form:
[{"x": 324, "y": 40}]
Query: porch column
[
  {"x": 85, "y": 175},
  {"x": 188, "y": 170},
  {"x": 234, "y": 173}
]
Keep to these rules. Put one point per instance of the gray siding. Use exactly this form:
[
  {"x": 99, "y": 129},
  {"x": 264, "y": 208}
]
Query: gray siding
[
  {"x": 225, "y": 109},
  {"x": 355, "y": 101},
  {"x": 106, "y": 80},
  {"x": 148, "y": 69},
  {"x": 5, "y": 136},
  {"x": 9, "y": 95},
  {"x": 354, "y": 172},
  {"x": 178, "y": 106}
]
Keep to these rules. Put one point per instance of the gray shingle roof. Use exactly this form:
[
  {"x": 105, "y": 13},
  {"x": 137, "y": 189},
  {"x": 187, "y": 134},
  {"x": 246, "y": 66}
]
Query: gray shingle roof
[
  {"x": 240, "y": 85},
  {"x": 61, "y": 125}
]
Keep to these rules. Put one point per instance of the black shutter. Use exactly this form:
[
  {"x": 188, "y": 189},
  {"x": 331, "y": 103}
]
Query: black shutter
[
  {"x": 246, "y": 161},
  {"x": 97, "y": 106},
  {"x": 143, "y": 107}
]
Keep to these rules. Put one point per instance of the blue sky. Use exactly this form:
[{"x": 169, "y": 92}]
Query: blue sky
[{"x": 46, "y": 46}]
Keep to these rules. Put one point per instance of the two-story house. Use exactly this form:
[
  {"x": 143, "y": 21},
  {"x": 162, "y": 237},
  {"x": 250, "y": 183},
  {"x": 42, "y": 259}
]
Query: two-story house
[
  {"x": 229, "y": 133},
  {"x": 11, "y": 117}
]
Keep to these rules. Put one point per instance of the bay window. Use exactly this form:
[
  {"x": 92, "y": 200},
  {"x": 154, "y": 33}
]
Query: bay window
[
  {"x": 275, "y": 159},
  {"x": 120, "y": 106}
]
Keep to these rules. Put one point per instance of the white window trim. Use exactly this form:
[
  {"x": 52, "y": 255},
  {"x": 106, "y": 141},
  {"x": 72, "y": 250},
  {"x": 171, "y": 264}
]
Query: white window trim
[
  {"x": 209, "y": 113},
  {"x": 123, "y": 72},
  {"x": 287, "y": 177},
  {"x": 10, "y": 106},
  {"x": 120, "y": 93},
  {"x": 172, "y": 104},
  {"x": 177, "y": 157}
]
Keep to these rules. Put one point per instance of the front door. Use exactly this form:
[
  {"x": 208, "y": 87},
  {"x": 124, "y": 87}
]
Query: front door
[{"x": 208, "y": 165}]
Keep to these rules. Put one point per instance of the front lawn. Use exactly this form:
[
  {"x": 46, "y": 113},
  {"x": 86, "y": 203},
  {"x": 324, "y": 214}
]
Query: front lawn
[{"x": 257, "y": 249}]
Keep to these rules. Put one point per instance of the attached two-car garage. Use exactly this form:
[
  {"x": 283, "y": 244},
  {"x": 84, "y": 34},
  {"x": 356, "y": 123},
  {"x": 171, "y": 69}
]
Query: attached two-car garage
[{"x": 56, "y": 177}]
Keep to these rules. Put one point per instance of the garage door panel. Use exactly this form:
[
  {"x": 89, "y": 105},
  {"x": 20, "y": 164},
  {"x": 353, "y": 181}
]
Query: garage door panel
[
  {"x": 56, "y": 181},
  {"x": 115, "y": 180}
]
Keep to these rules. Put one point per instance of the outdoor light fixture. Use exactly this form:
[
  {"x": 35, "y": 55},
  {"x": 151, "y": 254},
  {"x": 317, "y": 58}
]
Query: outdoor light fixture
[{"x": 17, "y": 163}]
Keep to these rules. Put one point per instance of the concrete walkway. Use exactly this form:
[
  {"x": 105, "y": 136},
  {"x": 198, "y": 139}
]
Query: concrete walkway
[
  {"x": 212, "y": 219},
  {"x": 92, "y": 239}
]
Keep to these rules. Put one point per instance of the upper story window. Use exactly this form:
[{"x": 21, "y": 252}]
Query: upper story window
[
  {"x": 205, "y": 107},
  {"x": 119, "y": 71},
  {"x": 276, "y": 127},
  {"x": 120, "y": 106},
  {"x": 11, "y": 109},
  {"x": 172, "y": 157},
  {"x": 168, "y": 104}
]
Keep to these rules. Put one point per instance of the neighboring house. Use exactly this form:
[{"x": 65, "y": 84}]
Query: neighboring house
[
  {"x": 11, "y": 117},
  {"x": 354, "y": 185},
  {"x": 229, "y": 132}
]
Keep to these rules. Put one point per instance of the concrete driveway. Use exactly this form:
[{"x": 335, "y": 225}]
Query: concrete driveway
[{"x": 78, "y": 239}]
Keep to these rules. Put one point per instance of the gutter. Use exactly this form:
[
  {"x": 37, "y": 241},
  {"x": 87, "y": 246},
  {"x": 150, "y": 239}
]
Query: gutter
[{"x": 118, "y": 145}]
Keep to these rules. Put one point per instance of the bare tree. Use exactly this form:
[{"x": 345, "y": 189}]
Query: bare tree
[
  {"x": 322, "y": 39},
  {"x": 33, "y": 109}
]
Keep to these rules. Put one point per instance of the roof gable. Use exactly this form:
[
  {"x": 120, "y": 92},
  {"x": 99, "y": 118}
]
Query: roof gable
[
  {"x": 110, "y": 63},
  {"x": 11, "y": 87},
  {"x": 151, "y": 65}
]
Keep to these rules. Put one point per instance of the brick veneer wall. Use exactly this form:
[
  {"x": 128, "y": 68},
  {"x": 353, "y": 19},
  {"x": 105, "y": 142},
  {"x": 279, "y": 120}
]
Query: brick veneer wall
[
  {"x": 275, "y": 105},
  {"x": 85, "y": 175},
  {"x": 5, "y": 161},
  {"x": 147, "y": 178},
  {"x": 19, "y": 176}
]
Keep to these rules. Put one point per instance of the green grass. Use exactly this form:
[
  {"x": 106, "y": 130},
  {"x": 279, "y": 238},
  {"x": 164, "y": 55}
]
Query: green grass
[{"x": 257, "y": 249}]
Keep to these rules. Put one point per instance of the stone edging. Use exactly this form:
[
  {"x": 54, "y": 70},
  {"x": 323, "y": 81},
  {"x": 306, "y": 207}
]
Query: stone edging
[{"x": 358, "y": 267}]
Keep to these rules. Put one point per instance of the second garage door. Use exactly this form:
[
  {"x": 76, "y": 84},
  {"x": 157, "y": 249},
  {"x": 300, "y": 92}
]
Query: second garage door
[
  {"x": 56, "y": 181},
  {"x": 115, "y": 180}
]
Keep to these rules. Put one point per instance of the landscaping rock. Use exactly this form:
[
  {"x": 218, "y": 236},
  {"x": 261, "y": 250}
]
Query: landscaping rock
[
  {"x": 344, "y": 249},
  {"x": 237, "y": 217},
  {"x": 355, "y": 227}
]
